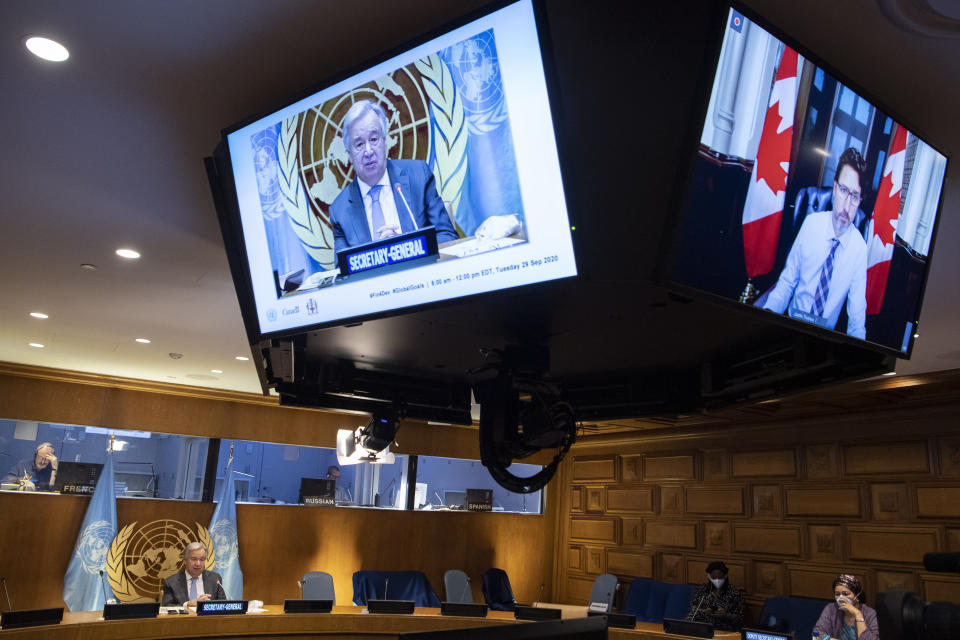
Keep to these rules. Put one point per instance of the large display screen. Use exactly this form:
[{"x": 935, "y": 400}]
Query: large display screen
[
  {"x": 806, "y": 199},
  {"x": 461, "y": 195}
]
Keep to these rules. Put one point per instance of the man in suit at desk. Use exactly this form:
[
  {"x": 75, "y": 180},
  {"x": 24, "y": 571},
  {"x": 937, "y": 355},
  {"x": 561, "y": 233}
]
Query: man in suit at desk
[
  {"x": 827, "y": 264},
  {"x": 193, "y": 584},
  {"x": 388, "y": 197}
]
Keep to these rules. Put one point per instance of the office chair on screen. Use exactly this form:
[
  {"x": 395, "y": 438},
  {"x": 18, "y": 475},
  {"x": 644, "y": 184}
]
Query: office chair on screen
[
  {"x": 317, "y": 585},
  {"x": 497, "y": 591},
  {"x": 604, "y": 589},
  {"x": 456, "y": 586}
]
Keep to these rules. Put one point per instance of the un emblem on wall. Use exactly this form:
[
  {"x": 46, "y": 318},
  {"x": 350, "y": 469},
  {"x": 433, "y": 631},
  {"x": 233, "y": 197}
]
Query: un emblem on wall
[
  {"x": 140, "y": 559},
  {"x": 313, "y": 164}
]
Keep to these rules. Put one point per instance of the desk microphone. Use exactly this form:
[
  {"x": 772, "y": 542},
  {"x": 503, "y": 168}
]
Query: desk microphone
[
  {"x": 386, "y": 587},
  {"x": 225, "y": 595},
  {"x": 466, "y": 588},
  {"x": 407, "y": 205},
  {"x": 103, "y": 586},
  {"x": 694, "y": 614},
  {"x": 300, "y": 584},
  {"x": 9, "y": 605},
  {"x": 540, "y": 596}
]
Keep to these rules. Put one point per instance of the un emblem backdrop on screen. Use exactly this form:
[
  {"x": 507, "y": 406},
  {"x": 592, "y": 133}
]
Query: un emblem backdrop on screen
[{"x": 446, "y": 109}]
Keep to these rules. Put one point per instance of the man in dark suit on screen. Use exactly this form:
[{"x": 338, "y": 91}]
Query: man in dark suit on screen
[
  {"x": 389, "y": 197},
  {"x": 193, "y": 584}
]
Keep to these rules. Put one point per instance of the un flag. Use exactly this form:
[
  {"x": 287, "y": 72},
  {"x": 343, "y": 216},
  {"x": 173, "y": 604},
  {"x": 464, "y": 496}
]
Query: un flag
[
  {"x": 83, "y": 588},
  {"x": 223, "y": 531}
]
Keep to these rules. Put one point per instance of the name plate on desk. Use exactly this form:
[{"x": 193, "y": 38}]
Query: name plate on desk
[
  {"x": 30, "y": 618},
  {"x": 688, "y": 628},
  {"x": 221, "y": 607},
  {"x": 133, "y": 610},
  {"x": 307, "y": 606},
  {"x": 757, "y": 634},
  {"x": 318, "y": 501},
  {"x": 521, "y": 612},
  {"x": 619, "y": 620},
  {"x": 463, "y": 609},
  {"x": 390, "y": 606},
  {"x": 414, "y": 245}
]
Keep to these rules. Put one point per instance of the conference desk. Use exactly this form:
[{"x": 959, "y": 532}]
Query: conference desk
[{"x": 344, "y": 622}]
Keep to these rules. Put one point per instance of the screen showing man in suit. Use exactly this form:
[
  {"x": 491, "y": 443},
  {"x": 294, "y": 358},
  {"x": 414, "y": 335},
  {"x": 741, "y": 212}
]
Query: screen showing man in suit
[
  {"x": 827, "y": 264},
  {"x": 193, "y": 584},
  {"x": 388, "y": 197}
]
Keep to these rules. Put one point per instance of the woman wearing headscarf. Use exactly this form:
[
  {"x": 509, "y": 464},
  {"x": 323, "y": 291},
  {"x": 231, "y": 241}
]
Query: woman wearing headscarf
[{"x": 847, "y": 618}]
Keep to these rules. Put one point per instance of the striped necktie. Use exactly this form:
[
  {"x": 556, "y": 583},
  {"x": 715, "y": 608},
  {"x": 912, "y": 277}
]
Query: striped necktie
[
  {"x": 376, "y": 212},
  {"x": 823, "y": 287}
]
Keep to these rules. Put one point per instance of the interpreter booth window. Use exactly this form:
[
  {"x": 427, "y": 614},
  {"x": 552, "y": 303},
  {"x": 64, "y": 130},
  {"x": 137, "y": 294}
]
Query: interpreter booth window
[
  {"x": 272, "y": 473},
  {"x": 48, "y": 457},
  {"x": 443, "y": 484}
]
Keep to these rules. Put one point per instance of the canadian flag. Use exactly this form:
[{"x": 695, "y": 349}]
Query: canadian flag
[
  {"x": 883, "y": 224},
  {"x": 768, "y": 182}
]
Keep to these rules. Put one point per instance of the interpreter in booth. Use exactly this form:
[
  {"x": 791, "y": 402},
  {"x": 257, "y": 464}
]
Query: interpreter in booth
[
  {"x": 717, "y": 602},
  {"x": 193, "y": 584},
  {"x": 847, "y": 618},
  {"x": 36, "y": 473}
]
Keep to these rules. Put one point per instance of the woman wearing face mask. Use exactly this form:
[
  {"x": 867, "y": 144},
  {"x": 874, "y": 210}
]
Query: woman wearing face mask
[
  {"x": 717, "y": 601},
  {"x": 847, "y": 618}
]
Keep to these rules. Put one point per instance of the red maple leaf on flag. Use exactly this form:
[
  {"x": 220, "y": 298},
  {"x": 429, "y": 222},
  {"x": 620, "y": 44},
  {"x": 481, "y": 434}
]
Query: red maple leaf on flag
[
  {"x": 774, "y": 149},
  {"x": 886, "y": 211},
  {"x": 887, "y": 208}
]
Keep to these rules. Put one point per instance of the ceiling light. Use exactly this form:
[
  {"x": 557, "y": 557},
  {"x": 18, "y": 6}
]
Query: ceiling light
[
  {"x": 36, "y": 345},
  {"x": 890, "y": 373},
  {"x": 38, "y": 314},
  {"x": 242, "y": 358},
  {"x": 88, "y": 266},
  {"x": 46, "y": 48},
  {"x": 215, "y": 371},
  {"x": 142, "y": 340},
  {"x": 129, "y": 254}
]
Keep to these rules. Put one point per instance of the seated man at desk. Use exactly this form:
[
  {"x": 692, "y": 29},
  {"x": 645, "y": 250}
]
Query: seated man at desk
[
  {"x": 717, "y": 601},
  {"x": 193, "y": 584},
  {"x": 388, "y": 197},
  {"x": 38, "y": 472}
]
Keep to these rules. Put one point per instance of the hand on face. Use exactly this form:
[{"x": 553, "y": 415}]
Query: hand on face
[{"x": 45, "y": 457}]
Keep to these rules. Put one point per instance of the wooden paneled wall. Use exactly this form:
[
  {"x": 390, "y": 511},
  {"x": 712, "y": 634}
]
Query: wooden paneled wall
[
  {"x": 786, "y": 506},
  {"x": 278, "y": 543}
]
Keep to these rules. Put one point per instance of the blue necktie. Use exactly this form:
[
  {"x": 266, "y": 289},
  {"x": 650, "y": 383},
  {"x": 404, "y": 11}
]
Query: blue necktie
[
  {"x": 376, "y": 213},
  {"x": 823, "y": 287},
  {"x": 193, "y": 588}
]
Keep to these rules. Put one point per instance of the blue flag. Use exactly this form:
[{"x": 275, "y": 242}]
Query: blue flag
[
  {"x": 83, "y": 587},
  {"x": 223, "y": 532}
]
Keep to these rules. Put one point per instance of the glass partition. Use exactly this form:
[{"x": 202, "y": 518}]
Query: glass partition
[
  {"x": 272, "y": 473},
  {"x": 151, "y": 465},
  {"x": 442, "y": 483},
  {"x": 161, "y": 465}
]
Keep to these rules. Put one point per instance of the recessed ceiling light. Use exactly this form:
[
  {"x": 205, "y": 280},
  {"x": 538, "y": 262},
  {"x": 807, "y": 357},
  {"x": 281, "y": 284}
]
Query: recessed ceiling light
[
  {"x": 242, "y": 358},
  {"x": 38, "y": 314},
  {"x": 36, "y": 345},
  {"x": 46, "y": 48},
  {"x": 215, "y": 371},
  {"x": 88, "y": 266},
  {"x": 129, "y": 254},
  {"x": 142, "y": 340},
  {"x": 916, "y": 335}
]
